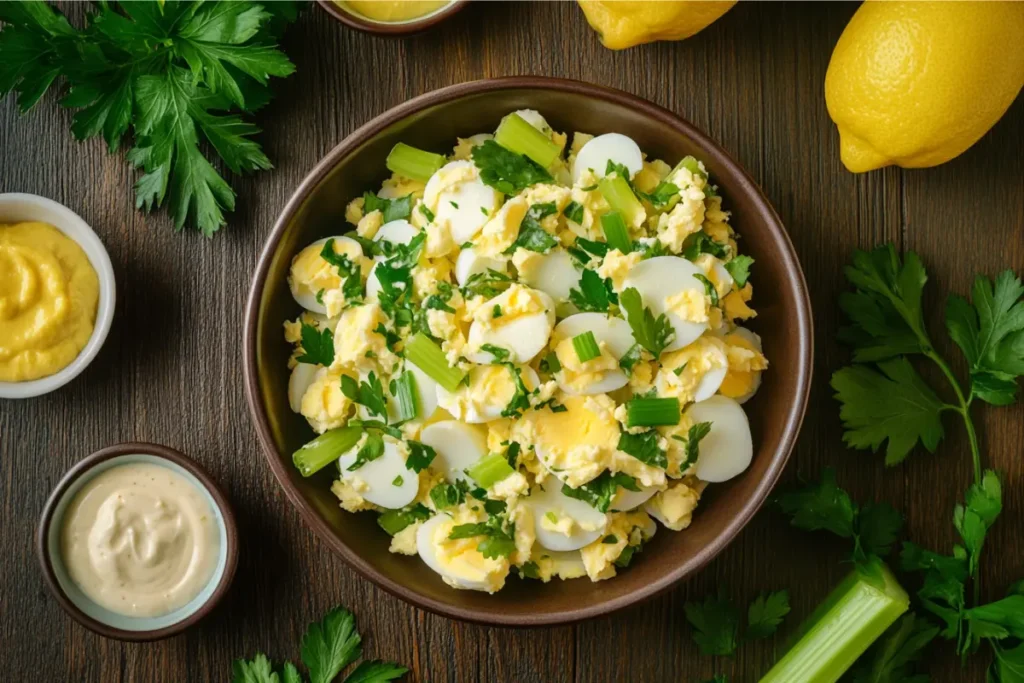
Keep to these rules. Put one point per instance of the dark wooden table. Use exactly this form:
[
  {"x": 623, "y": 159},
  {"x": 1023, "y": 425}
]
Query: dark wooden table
[{"x": 171, "y": 371}]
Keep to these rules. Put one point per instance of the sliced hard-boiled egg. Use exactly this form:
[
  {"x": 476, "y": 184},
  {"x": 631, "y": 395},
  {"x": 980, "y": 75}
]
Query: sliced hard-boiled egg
[
  {"x": 535, "y": 119},
  {"x": 426, "y": 391},
  {"x": 458, "y": 446},
  {"x": 694, "y": 372},
  {"x": 660, "y": 281},
  {"x": 310, "y": 274},
  {"x": 626, "y": 500},
  {"x": 458, "y": 561},
  {"x": 395, "y": 232},
  {"x": 563, "y": 523},
  {"x": 303, "y": 375},
  {"x": 460, "y": 199},
  {"x": 387, "y": 481},
  {"x": 553, "y": 273},
  {"x": 518, "y": 320},
  {"x": 577, "y": 378},
  {"x": 728, "y": 448},
  {"x": 739, "y": 383},
  {"x": 489, "y": 391},
  {"x": 598, "y": 151},
  {"x": 470, "y": 263},
  {"x": 716, "y": 273}
]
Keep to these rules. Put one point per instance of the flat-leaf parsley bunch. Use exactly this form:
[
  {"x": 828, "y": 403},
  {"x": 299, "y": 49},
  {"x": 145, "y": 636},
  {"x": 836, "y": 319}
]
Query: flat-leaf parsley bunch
[{"x": 170, "y": 72}]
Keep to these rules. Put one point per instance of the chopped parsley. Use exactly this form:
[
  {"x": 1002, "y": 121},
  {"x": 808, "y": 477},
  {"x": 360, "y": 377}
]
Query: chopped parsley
[
  {"x": 393, "y": 521},
  {"x": 317, "y": 346},
  {"x": 573, "y": 211},
  {"x": 319, "y": 297},
  {"x": 391, "y": 209},
  {"x": 398, "y": 481},
  {"x": 610, "y": 539},
  {"x": 599, "y": 492},
  {"x": 489, "y": 284},
  {"x": 347, "y": 269},
  {"x": 496, "y": 311},
  {"x": 739, "y": 268},
  {"x": 500, "y": 355},
  {"x": 420, "y": 456},
  {"x": 371, "y": 449},
  {"x": 595, "y": 293},
  {"x": 498, "y": 541},
  {"x": 709, "y": 288},
  {"x": 632, "y": 356},
  {"x": 654, "y": 334},
  {"x": 549, "y": 364},
  {"x": 506, "y": 171},
  {"x": 446, "y": 495},
  {"x": 427, "y": 213},
  {"x": 644, "y": 447},
  {"x": 701, "y": 243},
  {"x": 532, "y": 235},
  {"x": 521, "y": 398},
  {"x": 692, "y": 444},
  {"x": 369, "y": 393}
]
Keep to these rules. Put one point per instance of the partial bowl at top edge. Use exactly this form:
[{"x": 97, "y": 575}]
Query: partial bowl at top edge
[
  {"x": 353, "y": 19},
  {"x": 18, "y": 207},
  {"x": 432, "y": 121}
]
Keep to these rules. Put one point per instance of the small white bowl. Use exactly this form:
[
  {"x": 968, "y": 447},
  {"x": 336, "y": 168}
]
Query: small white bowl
[{"x": 16, "y": 207}]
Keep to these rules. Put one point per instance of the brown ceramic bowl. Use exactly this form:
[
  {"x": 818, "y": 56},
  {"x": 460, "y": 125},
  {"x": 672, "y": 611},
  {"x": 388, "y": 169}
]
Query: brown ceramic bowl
[
  {"x": 353, "y": 19},
  {"x": 432, "y": 122},
  {"x": 85, "y": 611}
]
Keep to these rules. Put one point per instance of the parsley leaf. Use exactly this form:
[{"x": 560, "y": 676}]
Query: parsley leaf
[
  {"x": 709, "y": 288},
  {"x": 520, "y": 400},
  {"x": 158, "y": 71},
  {"x": 391, "y": 209},
  {"x": 317, "y": 346},
  {"x": 766, "y": 613},
  {"x": 893, "y": 658},
  {"x": 372, "y": 449},
  {"x": 716, "y": 623},
  {"x": 352, "y": 287},
  {"x": 393, "y": 521},
  {"x": 660, "y": 197},
  {"x": 654, "y": 334},
  {"x": 500, "y": 355},
  {"x": 600, "y": 491},
  {"x": 991, "y": 335},
  {"x": 894, "y": 404},
  {"x": 702, "y": 243},
  {"x": 258, "y": 670},
  {"x": 506, "y": 171},
  {"x": 369, "y": 393},
  {"x": 595, "y": 293},
  {"x": 739, "y": 269},
  {"x": 331, "y": 645},
  {"x": 573, "y": 211},
  {"x": 632, "y": 356},
  {"x": 693, "y": 438},
  {"x": 532, "y": 235},
  {"x": 420, "y": 456},
  {"x": 497, "y": 542},
  {"x": 489, "y": 284},
  {"x": 445, "y": 495},
  {"x": 644, "y": 447},
  {"x": 982, "y": 504},
  {"x": 375, "y": 671}
]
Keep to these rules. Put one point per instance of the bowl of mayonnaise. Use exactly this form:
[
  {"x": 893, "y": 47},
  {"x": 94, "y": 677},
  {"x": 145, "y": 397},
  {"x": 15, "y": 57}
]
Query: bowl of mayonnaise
[{"x": 137, "y": 542}]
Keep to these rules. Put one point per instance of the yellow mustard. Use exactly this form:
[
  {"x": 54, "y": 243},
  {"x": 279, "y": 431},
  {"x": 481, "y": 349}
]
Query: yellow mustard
[
  {"x": 393, "y": 11},
  {"x": 48, "y": 297}
]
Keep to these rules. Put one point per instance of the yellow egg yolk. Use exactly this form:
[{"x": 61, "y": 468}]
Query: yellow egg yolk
[
  {"x": 745, "y": 363},
  {"x": 393, "y": 11},
  {"x": 689, "y": 304},
  {"x": 581, "y": 374}
]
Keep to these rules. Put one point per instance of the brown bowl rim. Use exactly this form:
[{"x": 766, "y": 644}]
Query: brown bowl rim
[
  {"x": 710, "y": 149},
  {"x": 390, "y": 30},
  {"x": 87, "y": 464}
]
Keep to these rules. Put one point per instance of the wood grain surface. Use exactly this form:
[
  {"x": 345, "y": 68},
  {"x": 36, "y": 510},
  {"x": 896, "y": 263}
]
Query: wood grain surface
[{"x": 171, "y": 371}]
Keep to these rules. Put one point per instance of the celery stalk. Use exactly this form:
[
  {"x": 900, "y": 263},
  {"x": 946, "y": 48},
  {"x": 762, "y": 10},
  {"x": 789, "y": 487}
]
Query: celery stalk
[
  {"x": 615, "y": 232},
  {"x": 620, "y": 197},
  {"x": 324, "y": 449},
  {"x": 586, "y": 346},
  {"x": 851, "y": 618},
  {"x": 410, "y": 162},
  {"x": 428, "y": 357},
  {"x": 490, "y": 469},
  {"x": 650, "y": 412},
  {"x": 515, "y": 134}
]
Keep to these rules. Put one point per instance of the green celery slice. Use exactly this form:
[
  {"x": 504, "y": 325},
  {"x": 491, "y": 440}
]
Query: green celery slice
[
  {"x": 651, "y": 412},
  {"x": 428, "y": 357},
  {"x": 410, "y": 162},
  {"x": 490, "y": 469},
  {"x": 586, "y": 346},
  {"x": 515, "y": 134},
  {"x": 620, "y": 197},
  {"x": 615, "y": 232},
  {"x": 325, "y": 449}
]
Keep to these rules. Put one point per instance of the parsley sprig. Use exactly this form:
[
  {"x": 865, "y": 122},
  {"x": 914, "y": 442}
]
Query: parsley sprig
[
  {"x": 652, "y": 333},
  {"x": 506, "y": 171},
  {"x": 169, "y": 73},
  {"x": 328, "y": 647},
  {"x": 716, "y": 621}
]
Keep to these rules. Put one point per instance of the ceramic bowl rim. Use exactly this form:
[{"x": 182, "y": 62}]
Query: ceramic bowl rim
[
  {"x": 391, "y": 29},
  {"x": 744, "y": 513},
  {"x": 82, "y": 468}
]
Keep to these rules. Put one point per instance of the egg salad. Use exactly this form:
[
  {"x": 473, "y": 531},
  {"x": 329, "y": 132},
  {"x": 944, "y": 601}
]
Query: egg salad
[{"x": 526, "y": 353}]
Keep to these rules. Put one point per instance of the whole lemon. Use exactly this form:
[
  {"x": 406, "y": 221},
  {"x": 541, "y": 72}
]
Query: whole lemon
[
  {"x": 917, "y": 83},
  {"x": 625, "y": 23}
]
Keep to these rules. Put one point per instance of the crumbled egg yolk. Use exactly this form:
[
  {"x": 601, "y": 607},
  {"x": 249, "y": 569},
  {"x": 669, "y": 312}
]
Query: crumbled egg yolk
[{"x": 563, "y": 436}]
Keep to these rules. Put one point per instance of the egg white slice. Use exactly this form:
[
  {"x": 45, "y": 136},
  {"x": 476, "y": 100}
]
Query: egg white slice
[
  {"x": 713, "y": 378},
  {"x": 395, "y": 232},
  {"x": 458, "y": 446},
  {"x": 626, "y": 500},
  {"x": 534, "y": 118},
  {"x": 551, "y": 499},
  {"x": 485, "y": 412},
  {"x": 426, "y": 391},
  {"x": 567, "y": 563},
  {"x": 555, "y": 274},
  {"x": 524, "y": 337},
  {"x": 308, "y": 299},
  {"x": 466, "y": 206},
  {"x": 469, "y": 263},
  {"x": 728, "y": 448},
  {"x": 427, "y": 550},
  {"x": 598, "y": 151},
  {"x": 615, "y": 332},
  {"x": 303, "y": 375},
  {"x": 721, "y": 275},
  {"x": 380, "y": 476},
  {"x": 659, "y": 278},
  {"x": 754, "y": 339}
]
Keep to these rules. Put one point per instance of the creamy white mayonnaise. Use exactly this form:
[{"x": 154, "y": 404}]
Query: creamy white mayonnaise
[{"x": 140, "y": 540}]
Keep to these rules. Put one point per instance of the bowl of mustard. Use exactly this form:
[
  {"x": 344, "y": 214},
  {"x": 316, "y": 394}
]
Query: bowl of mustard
[
  {"x": 57, "y": 295},
  {"x": 391, "y": 17}
]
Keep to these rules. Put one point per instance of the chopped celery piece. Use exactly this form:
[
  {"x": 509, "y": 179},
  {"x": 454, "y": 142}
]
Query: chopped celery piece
[
  {"x": 615, "y": 232},
  {"x": 650, "y": 412},
  {"x": 413, "y": 163},
  {"x": 393, "y": 521},
  {"x": 429, "y": 358},
  {"x": 406, "y": 396},
  {"x": 324, "y": 449},
  {"x": 620, "y": 197},
  {"x": 851, "y": 618},
  {"x": 692, "y": 165},
  {"x": 515, "y": 134},
  {"x": 586, "y": 346},
  {"x": 490, "y": 469}
]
